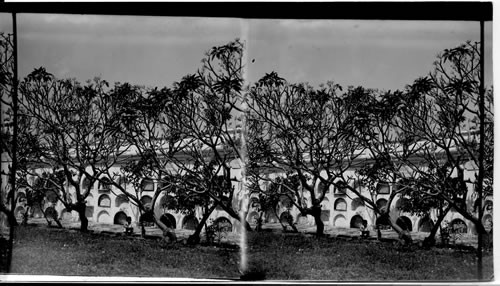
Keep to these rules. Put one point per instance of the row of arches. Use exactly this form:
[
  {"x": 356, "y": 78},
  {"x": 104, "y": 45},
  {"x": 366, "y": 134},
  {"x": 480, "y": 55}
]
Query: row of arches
[
  {"x": 50, "y": 212},
  {"x": 339, "y": 220},
  {"x": 382, "y": 187},
  {"x": 190, "y": 222},
  {"x": 425, "y": 224},
  {"x": 104, "y": 201},
  {"x": 357, "y": 220},
  {"x": 105, "y": 184},
  {"x": 340, "y": 204}
]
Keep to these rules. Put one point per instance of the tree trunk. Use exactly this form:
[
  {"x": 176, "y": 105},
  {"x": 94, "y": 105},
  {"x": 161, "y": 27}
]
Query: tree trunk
[
  {"x": 25, "y": 216},
  {"x": 258, "y": 227},
  {"x": 167, "y": 231},
  {"x": 195, "y": 237},
  {"x": 233, "y": 214},
  {"x": 403, "y": 234},
  {"x": 279, "y": 220},
  {"x": 49, "y": 223},
  {"x": 141, "y": 223},
  {"x": 54, "y": 218},
  {"x": 58, "y": 222},
  {"x": 10, "y": 215},
  {"x": 80, "y": 208},
  {"x": 84, "y": 222},
  {"x": 320, "y": 226},
  {"x": 430, "y": 240},
  {"x": 479, "y": 225},
  {"x": 377, "y": 227},
  {"x": 290, "y": 223}
]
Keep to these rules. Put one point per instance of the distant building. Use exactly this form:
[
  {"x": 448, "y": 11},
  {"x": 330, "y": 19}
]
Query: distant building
[{"x": 340, "y": 208}]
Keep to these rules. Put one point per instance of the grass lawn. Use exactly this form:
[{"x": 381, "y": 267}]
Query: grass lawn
[
  {"x": 39, "y": 250},
  {"x": 294, "y": 257}
]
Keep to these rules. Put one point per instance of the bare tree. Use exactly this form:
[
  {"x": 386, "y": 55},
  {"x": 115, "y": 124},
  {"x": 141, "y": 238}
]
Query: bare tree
[
  {"x": 75, "y": 128},
  {"x": 205, "y": 112},
  {"x": 6, "y": 115},
  {"x": 422, "y": 137},
  {"x": 301, "y": 131},
  {"x": 185, "y": 137},
  {"x": 438, "y": 120}
]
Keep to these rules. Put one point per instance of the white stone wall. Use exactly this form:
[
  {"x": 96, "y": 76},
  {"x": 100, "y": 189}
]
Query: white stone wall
[{"x": 337, "y": 218}]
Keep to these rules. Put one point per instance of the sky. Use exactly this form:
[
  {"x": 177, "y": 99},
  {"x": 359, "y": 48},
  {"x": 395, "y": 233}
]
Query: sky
[
  {"x": 374, "y": 54},
  {"x": 157, "y": 51}
]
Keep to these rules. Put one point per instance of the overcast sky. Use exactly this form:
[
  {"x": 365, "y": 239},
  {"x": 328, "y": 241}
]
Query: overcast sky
[{"x": 156, "y": 51}]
